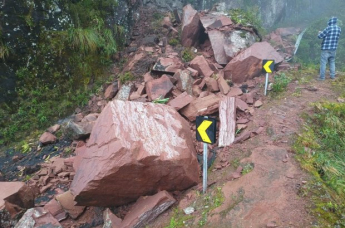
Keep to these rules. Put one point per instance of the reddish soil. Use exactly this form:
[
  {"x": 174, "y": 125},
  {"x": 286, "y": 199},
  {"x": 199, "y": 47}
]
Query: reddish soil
[{"x": 267, "y": 196}]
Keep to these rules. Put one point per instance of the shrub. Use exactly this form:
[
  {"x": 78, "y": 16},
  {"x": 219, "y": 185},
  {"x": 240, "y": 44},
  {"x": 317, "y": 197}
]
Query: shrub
[
  {"x": 187, "y": 55},
  {"x": 281, "y": 82},
  {"x": 174, "y": 42}
]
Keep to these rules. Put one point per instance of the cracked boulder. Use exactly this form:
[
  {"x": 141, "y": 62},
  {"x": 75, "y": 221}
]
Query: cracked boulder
[{"x": 135, "y": 149}]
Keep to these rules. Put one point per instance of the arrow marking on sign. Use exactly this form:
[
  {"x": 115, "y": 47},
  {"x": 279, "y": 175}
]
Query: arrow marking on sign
[
  {"x": 267, "y": 66},
  {"x": 202, "y": 130}
]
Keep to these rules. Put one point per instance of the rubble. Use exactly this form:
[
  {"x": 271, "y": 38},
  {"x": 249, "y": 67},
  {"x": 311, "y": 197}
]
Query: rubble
[
  {"x": 227, "y": 116},
  {"x": 191, "y": 26},
  {"x": 159, "y": 88}
]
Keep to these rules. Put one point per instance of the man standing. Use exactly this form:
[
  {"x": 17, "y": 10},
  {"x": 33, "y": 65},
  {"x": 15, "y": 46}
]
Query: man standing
[{"x": 330, "y": 36}]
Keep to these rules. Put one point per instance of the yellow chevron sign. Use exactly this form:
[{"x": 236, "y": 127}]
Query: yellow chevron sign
[
  {"x": 268, "y": 65},
  {"x": 206, "y": 129}
]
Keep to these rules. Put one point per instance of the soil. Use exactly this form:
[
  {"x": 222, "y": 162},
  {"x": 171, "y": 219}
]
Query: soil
[{"x": 267, "y": 196}]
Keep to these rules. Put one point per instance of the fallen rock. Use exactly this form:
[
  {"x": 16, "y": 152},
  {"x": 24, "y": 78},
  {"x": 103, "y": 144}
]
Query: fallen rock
[
  {"x": 258, "y": 104},
  {"x": 146, "y": 209},
  {"x": 159, "y": 87},
  {"x": 201, "y": 106},
  {"x": 47, "y": 138},
  {"x": 80, "y": 130},
  {"x": 191, "y": 26},
  {"x": 67, "y": 202},
  {"x": 200, "y": 64},
  {"x": 15, "y": 197},
  {"x": 241, "y": 105},
  {"x": 243, "y": 137},
  {"x": 111, "y": 220},
  {"x": 124, "y": 92},
  {"x": 227, "y": 116},
  {"x": 111, "y": 90},
  {"x": 212, "y": 84},
  {"x": 38, "y": 218},
  {"x": 55, "y": 209},
  {"x": 181, "y": 101},
  {"x": 168, "y": 65},
  {"x": 223, "y": 85},
  {"x": 131, "y": 151},
  {"x": 234, "y": 92},
  {"x": 248, "y": 64},
  {"x": 193, "y": 72},
  {"x": 185, "y": 81},
  {"x": 54, "y": 128}
]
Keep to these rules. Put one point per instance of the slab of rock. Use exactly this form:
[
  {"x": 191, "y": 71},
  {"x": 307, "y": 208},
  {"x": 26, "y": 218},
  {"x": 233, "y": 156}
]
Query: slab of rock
[
  {"x": 111, "y": 220},
  {"x": 124, "y": 92},
  {"x": 15, "y": 197},
  {"x": 147, "y": 77},
  {"x": 193, "y": 72},
  {"x": 237, "y": 40},
  {"x": 241, "y": 105},
  {"x": 258, "y": 104},
  {"x": 54, "y": 128},
  {"x": 47, "y": 138},
  {"x": 131, "y": 152},
  {"x": 38, "y": 218},
  {"x": 67, "y": 202},
  {"x": 201, "y": 106},
  {"x": 185, "y": 81},
  {"x": 146, "y": 209},
  {"x": 111, "y": 90},
  {"x": 223, "y": 85},
  {"x": 168, "y": 65},
  {"x": 191, "y": 26},
  {"x": 181, "y": 101},
  {"x": 248, "y": 64},
  {"x": 80, "y": 130},
  {"x": 234, "y": 92},
  {"x": 200, "y": 64},
  {"x": 212, "y": 84},
  {"x": 227, "y": 116},
  {"x": 55, "y": 209},
  {"x": 159, "y": 87}
]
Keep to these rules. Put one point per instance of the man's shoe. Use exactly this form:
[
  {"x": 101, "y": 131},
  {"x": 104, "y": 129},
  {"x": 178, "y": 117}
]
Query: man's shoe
[
  {"x": 332, "y": 79},
  {"x": 320, "y": 79}
]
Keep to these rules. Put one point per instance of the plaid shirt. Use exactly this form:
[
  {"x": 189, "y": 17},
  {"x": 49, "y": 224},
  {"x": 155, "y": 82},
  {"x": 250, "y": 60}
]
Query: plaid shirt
[{"x": 330, "y": 35}]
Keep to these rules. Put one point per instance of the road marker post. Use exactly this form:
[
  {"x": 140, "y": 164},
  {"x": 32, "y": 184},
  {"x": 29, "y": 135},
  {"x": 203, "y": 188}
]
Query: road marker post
[
  {"x": 267, "y": 67},
  {"x": 206, "y": 133}
]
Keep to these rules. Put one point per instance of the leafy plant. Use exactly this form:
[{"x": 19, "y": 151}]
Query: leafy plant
[
  {"x": 281, "y": 82},
  {"x": 247, "y": 168},
  {"x": 174, "y": 42},
  {"x": 187, "y": 55},
  {"x": 161, "y": 100},
  {"x": 249, "y": 17}
]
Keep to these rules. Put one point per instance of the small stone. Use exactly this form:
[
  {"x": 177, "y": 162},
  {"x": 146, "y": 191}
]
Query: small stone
[
  {"x": 189, "y": 210},
  {"x": 258, "y": 104}
]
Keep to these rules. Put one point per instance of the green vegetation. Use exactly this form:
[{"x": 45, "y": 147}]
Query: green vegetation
[
  {"x": 247, "y": 168},
  {"x": 174, "y": 42},
  {"x": 65, "y": 67},
  {"x": 281, "y": 81},
  {"x": 249, "y": 17},
  {"x": 178, "y": 219},
  {"x": 320, "y": 148},
  {"x": 126, "y": 77},
  {"x": 187, "y": 55}
]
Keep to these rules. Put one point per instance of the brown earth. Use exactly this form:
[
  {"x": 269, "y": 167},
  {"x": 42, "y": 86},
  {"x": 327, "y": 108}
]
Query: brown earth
[{"x": 267, "y": 196}]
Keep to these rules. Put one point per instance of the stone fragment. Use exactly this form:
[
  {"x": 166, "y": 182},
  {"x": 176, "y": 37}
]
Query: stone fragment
[
  {"x": 168, "y": 65},
  {"x": 196, "y": 91},
  {"x": 242, "y": 121},
  {"x": 200, "y": 64},
  {"x": 125, "y": 92},
  {"x": 67, "y": 202},
  {"x": 234, "y": 92},
  {"x": 258, "y": 104},
  {"x": 80, "y": 130},
  {"x": 132, "y": 150},
  {"x": 248, "y": 64},
  {"x": 147, "y": 208},
  {"x": 47, "y": 138},
  {"x": 249, "y": 98},
  {"x": 212, "y": 84},
  {"x": 243, "y": 137},
  {"x": 181, "y": 101},
  {"x": 54, "y": 208},
  {"x": 159, "y": 87},
  {"x": 111, "y": 90},
  {"x": 111, "y": 220},
  {"x": 191, "y": 26},
  {"x": 185, "y": 82},
  {"x": 147, "y": 77},
  {"x": 54, "y": 128},
  {"x": 223, "y": 85},
  {"x": 193, "y": 72},
  {"x": 241, "y": 126},
  {"x": 227, "y": 116},
  {"x": 15, "y": 197},
  {"x": 201, "y": 106},
  {"x": 241, "y": 105},
  {"x": 38, "y": 218}
]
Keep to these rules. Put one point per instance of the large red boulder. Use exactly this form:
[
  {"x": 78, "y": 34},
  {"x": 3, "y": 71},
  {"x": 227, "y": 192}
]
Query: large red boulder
[
  {"x": 248, "y": 64},
  {"x": 191, "y": 26},
  {"x": 135, "y": 149}
]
